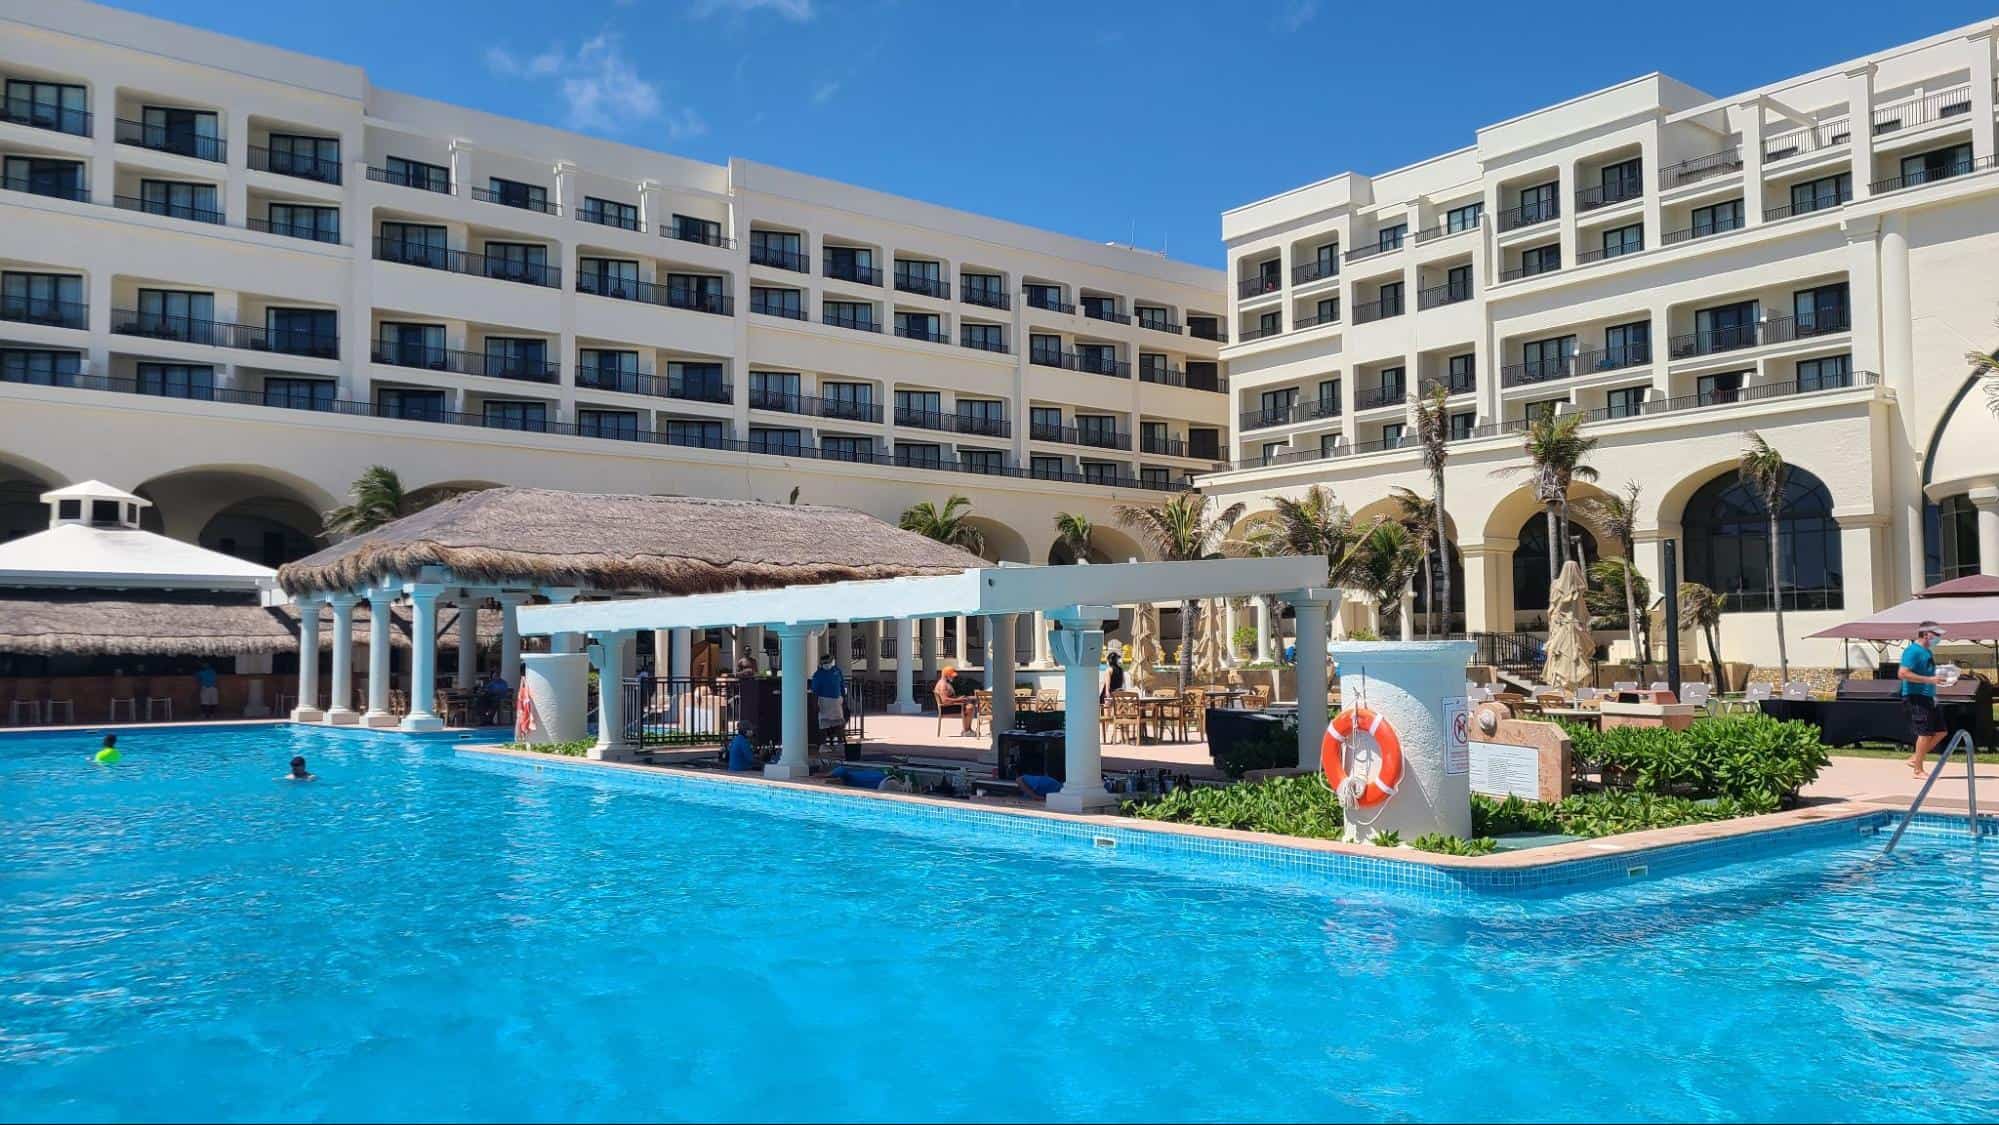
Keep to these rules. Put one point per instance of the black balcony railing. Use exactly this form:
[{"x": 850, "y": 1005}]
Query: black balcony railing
[
  {"x": 906, "y": 282},
  {"x": 1453, "y": 385},
  {"x": 1260, "y": 332},
  {"x": 519, "y": 199},
  {"x": 990, "y": 298},
  {"x": 1372, "y": 250},
  {"x": 492, "y": 365},
  {"x": 170, "y": 210},
  {"x": 1168, "y": 376},
  {"x": 1386, "y": 394},
  {"x": 1071, "y": 435},
  {"x": 1806, "y": 205},
  {"x": 1604, "y": 195},
  {"x": 921, "y": 419},
  {"x": 309, "y": 231},
  {"x": 1776, "y": 330},
  {"x": 1921, "y": 111},
  {"x": 779, "y": 259},
  {"x": 181, "y": 142},
  {"x": 219, "y": 334},
  {"x": 1316, "y": 269},
  {"x": 1258, "y": 286},
  {"x": 842, "y": 409},
  {"x": 1531, "y": 213},
  {"x": 706, "y": 237},
  {"x": 1701, "y": 230},
  {"x": 1701, "y": 168},
  {"x": 1038, "y": 300},
  {"x": 848, "y": 320},
  {"x": 665, "y": 296},
  {"x": 1100, "y": 312},
  {"x": 1163, "y": 446},
  {"x": 608, "y": 378},
  {"x": 1592, "y": 362},
  {"x": 466, "y": 262},
  {"x": 590, "y": 214},
  {"x": 1724, "y": 396},
  {"x": 1930, "y": 174},
  {"x": 1446, "y": 230},
  {"x": 46, "y": 311},
  {"x": 1079, "y": 361},
  {"x": 985, "y": 344},
  {"x": 303, "y": 165},
  {"x": 1208, "y": 330},
  {"x": 851, "y": 271},
  {"x": 42, "y": 115},
  {"x": 77, "y": 192},
  {"x": 1616, "y": 249},
  {"x": 408, "y": 180},
  {"x": 1525, "y": 270},
  {"x": 1263, "y": 419},
  {"x": 913, "y": 332},
  {"x": 765, "y": 308},
  {"x": 1365, "y": 312},
  {"x": 1159, "y": 324},
  {"x": 1449, "y": 293},
  {"x": 1330, "y": 316}
]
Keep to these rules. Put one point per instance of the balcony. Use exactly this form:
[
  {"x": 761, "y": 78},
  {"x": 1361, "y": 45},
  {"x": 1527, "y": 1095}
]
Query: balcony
[
  {"x": 1607, "y": 195},
  {"x": 50, "y": 186},
  {"x": 1304, "y": 273},
  {"x": 1366, "y": 312},
  {"x": 1163, "y": 446},
  {"x": 1529, "y": 214},
  {"x": 906, "y": 282},
  {"x": 45, "y": 311},
  {"x": 170, "y": 210},
  {"x": 665, "y": 296},
  {"x": 842, "y": 409},
  {"x": 1373, "y": 250},
  {"x": 1807, "y": 206},
  {"x": 1036, "y": 300},
  {"x": 1212, "y": 330},
  {"x": 1726, "y": 162},
  {"x": 779, "y": 259},
  {"x": 1702, "y": 230},
  {"x": 1159, "y": 324},
  {"x": 1331, "y": 316},
  {"x": 851, "y": 271},
  {"x": 1605, "y": 253},
  {"x": 1825, "y": 135},
  {"x": 43, "y": 115},
  {"x": 1724, "y": 397},
  {"x": 707, "y": 238},
  {"x": 1523, "y": 271},
  {"x": 1079, "y": 361},
  {"x": 213, "y": 333},
  {"x": 1580, "y": 363},
  {"x": 307, "y": 231},
  {"x": 180, "y": 142},
  {"x": 1776, "y": 330},
  {"x": 910, "y": 332},
  {"x": 1099, "y": 312},
  {"x": 1199, "y": 380},
  {"x": 700, "y": 389},
  {"x": 593, "y": 214},
  {"x": 1259, "y": 286},
  {"x": 1437, "y": 296},
  {"x": 1942, "y": 105},
  {"x": 1453, "y": 385},
  {"x": 1071, "y": 435},
  {"x": 1162, "y": 372},
  {"x": 1446, "y": 230},
  {"x": 519, "y": 199},
  {"x": 1386, "y": 394},
  {"x": 1249, "y": 335},
  {"x": 848, "y": 320},
  {"x": 989, "y": 298},
  {"x": 980, "y": 343},
  {"x": 304, "y": 166},
  {"x": 391, "y": 353},
  {"x": 405, "y": 179},
  {"x": 465, "y": 262},
  {"x": 764, "y": 308},
  {"x": 1930, "y": 175},
  {"x": 952, "y": 423}
]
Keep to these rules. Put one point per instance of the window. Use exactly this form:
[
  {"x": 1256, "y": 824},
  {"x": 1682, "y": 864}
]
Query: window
[
  {"x": 777, "y": 248},
  {"x": 1547, "y": 359},
  {"x": 1268, "y": 275},
  {"x": 517, "y": 261},
  {"x": 1392, "y": 434},
  {"x": 1531, "y": 577},
  {"x": 1154, "y": 437},
  {"x": 1100, "y": 358},
  {"x": 1717, "y": 218},
  {"x": 1102, "y": 308},
  {"x": 771, "y": 439},
  {"x": 607, "y": 370},
  {"x": 1539, "y": 203},
  {"x": 1623, "y": 180},
  {"x": 1821, "y": 310},
  {"x": 531, "y": 416},
  {"x": 174, "y": 314},
  {"x": 1726, "y": 326},
  {"x": 919, "y": 408},
  {"x": 1045, "y": 350},
  {"x": 1625, "y": 402},
  {"x": 1205, "y": 328},
  {"x": 513, "y": 193},
  {"x": 1462, "y": 424},
  {"x": 395, "y": 402},
  {"x": 1099, "y": 429},
  {"x": 414, "y": 243},
  {"x": 1329, "y": 398},
  {"x": 176, "y": 380},
  {"x": 608, "y": 277},
  {"x": 417, "y": 174},
  {"x": 1204, "y": 375},
  {"x": 1043, "y": 296},
  {"x": 852, "y": 263},
  {"x": 836, "y": 447},
  {"x": 982, "y": 416},
  {"x": 1950, "y": 539},
  {"x": 778, "y": 302},
  {"x": 851, "y": 314},
  {"x": 1153, "y": 316},
  {"x": 313, "y": 332},
  {"x": 622, "y": 425},
  {"x": 690, "y": 229},
  {"x": 179, "y": 200},
  {"x": 1463, "y": 218},
  {"x": 189, "y": 132},
  {"x": 1540, "y": 259},
  {"x": 1461, "y": 373},
  {"x": 313, "y": 158},
  {"x": 1044, "y": 423},
  {"x": 297, "y": 220},
  {"x": 1044, "y": 468},
  {"x": 1276, "y": 405},
  {"x": 921, "y": 277},
  {"x": 412, "y": 345},
  {"x": 701, "y": 382},
  {"x": 1326, "y": 260},
  {"x": 920, "y": 326},
  {"x": 609, "y": 212},
  {"x": 1723, "y": 387},
  {"x": 983, "y": 289},
  {"x": 1100, "y": 472},
  {"x": 701, "y": 292},
  {"x": 1393, "y": 387},
  {"x": 40, "y": 367},
  {"x": 1269, "y": 324},
  {"x": 921, "y": 454},
  {"x": 43, "y": 298},
  {"x": 1546, "y": 408},
  {"x": 1817, "y": 195},
  {"x": 1940, "y": 164},
  {"x": 48, "y": 105},
  {"x": 1152, "y": 476},
  {"x": 985, "y": 337},
  {"x": 1327, "y": 311},
  {"x": 515, "y": 357},
  {"x": 1457, "y": 284},
  {"x": 990, "y": 461},
  {"x": 1624, "y": 240},
  {"x": 1627, "y": 345},
  {"x": 1273, "y": 451},
  {"x": 775, "y": 390},
  {"x": 1329, "y": 445},
  {"x": 696, "y": 432},
  {"x": 852, "y": 401},
  {"x": 1390, "y": 295},
  {"x": 60, "y": 179},
  {"x": 1728, "y": 544},
  {"x": 1825, "y": 374},
  {"x": 1204, "y": 442}
]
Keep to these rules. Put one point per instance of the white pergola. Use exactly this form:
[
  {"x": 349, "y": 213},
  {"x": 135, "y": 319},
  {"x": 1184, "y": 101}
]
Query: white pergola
[{"x": 1077, "y": 600}]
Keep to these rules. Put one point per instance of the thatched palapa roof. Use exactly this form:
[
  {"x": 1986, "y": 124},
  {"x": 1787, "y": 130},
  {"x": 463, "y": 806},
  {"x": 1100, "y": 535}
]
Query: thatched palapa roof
[
  {"x": 653, "y": 544},
  {"x": 106, "y": 623}
]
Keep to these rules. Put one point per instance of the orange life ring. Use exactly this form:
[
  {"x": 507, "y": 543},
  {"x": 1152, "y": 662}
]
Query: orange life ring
[{"x": 1332, "y": 754}]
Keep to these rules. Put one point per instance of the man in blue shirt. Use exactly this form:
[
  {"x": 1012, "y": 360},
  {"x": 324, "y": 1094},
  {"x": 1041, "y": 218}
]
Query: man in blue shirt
[
  {"x": 210, "y": 692},
  {"x": 829, "y": 700},
  {"x": 742, "y": 755},
  {"x": 1918, "y": 674}
]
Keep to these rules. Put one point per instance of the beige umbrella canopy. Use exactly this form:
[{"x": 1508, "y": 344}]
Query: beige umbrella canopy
[
  {"x": 1569, "y": 643},
  {"x": 1208, "y": 646},
  {"x": 1144, "y": 651}
]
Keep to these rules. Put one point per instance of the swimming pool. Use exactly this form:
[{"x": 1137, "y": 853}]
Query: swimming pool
[{"x": 412, "y": 937}]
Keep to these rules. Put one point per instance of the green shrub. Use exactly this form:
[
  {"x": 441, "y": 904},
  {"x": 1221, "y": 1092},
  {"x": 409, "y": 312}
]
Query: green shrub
[
  {"x": 1593, "y": 815},
  {"x": 1273, "y": 746},
  {"x": 1389, "y": 839},
  {"x": 575, "y": 748},
  {"x": 1501, "y": 818},
  {"x": 1287, "y": 806},
  {"x": 1444, "y": 844},
  {"x": 1744, "y": 757}
]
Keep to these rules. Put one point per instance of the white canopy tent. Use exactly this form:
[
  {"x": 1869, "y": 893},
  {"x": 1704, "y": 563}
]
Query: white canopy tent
[{"x": 1077, "y": 599}]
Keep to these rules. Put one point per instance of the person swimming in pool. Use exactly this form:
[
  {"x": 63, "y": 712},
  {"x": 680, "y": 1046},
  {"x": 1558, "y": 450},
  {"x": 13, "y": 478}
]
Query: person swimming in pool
[{"x": 299, "y": 772}]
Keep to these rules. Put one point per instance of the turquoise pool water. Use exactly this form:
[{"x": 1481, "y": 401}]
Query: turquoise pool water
[{"x": 183, "y": 937}]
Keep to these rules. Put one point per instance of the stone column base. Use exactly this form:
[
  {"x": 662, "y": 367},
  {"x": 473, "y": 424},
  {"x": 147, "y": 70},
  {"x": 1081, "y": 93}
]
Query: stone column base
[
  {"x": 905, "y": 708},
  {"x": 785, "y": 771},
  {"x": 342, "y": 717},
  {"x": 308, "y": 715},
  {"x": 378, "y": 719},
  {"x": 422, "y": 723},
  {"x": 1065, "y": 801},
  {"x": 613, "y": 754}
]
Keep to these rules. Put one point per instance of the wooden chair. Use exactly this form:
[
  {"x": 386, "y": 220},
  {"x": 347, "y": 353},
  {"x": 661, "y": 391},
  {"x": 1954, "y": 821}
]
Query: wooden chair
[
  {"x": 1171, "y": 714},
  {"x": 161, "y": 703},
  {"x": 1194, "y": 711},
  {"x": 1257, "y": 699},
  {"x": 1048, "y": 699},
  {"x": 948, "y": 707},
  {"x": 982, "y": 712},
  {"x": 399, "y": 702},
  {"x": 1123, "y": 715}
]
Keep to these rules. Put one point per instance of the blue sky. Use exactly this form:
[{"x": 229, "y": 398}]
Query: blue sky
[{"x": 1128, "y": 121}]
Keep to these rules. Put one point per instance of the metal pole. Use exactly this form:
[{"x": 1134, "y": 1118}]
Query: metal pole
[
  {"x": 1669, "y": 574},
  {"x": 1963, "y": 736}
]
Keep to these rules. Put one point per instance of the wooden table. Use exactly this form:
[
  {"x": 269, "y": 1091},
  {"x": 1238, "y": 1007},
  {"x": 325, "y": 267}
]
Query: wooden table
[{"x": 1589, "y": 716}]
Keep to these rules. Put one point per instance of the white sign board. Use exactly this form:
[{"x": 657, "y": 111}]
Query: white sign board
[
  {"x": 1457, "y": 735},
  {"x": 1498, "y": 770}
]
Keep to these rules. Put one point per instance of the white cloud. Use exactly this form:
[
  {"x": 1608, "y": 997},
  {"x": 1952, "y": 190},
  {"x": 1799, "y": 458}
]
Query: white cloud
[
  {"x": 825, "y": 92},
  {"x": 601, "y": 90},
  {"x": 797, "y": 11},
  {"x": 1297, "y": 13}
]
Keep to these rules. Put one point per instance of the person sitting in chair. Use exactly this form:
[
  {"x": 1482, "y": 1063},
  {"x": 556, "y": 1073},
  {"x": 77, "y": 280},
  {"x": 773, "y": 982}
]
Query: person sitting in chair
[{"x": 948, "y": 698}]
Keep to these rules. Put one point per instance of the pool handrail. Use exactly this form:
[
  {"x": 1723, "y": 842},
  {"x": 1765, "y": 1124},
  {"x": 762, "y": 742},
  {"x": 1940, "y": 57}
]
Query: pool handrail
[{"x": 1962, "y": 737}]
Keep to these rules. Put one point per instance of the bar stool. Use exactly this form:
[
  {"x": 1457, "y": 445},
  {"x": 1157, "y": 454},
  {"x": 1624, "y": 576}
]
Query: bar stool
[
  {"x": 32, "y": 708},
  {"x": 158, "y": 703},
  {"x": 68, "y": 708},
  {"x": 122, "y": 692}
]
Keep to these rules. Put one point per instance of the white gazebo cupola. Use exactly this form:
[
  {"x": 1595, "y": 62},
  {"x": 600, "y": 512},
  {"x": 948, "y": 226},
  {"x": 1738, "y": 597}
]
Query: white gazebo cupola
[{"x": 93, "y": 503}]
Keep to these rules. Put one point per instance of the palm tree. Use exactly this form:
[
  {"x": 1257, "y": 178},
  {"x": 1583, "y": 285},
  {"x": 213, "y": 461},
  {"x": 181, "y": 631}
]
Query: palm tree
[
  {"x": 1617, "y": 517},
  {"x": 1433, "y": 430},
  {"x": 1703, "y": 607},
  {"x": 1764, "y": 471},
  {"x": 377, "y": 498},
  {"x": 1420, "y": 517},
  {"x": 1387, "y": 560},
  {"x": 950, "y": 525},
  {"x": 1180, "y": 530},
  {"x": 1074, "y": 533},
  {"x": 1556, "y": 450},
  {"x": 1986, "y": 366},
  {"x": 1317, "y": 524}
]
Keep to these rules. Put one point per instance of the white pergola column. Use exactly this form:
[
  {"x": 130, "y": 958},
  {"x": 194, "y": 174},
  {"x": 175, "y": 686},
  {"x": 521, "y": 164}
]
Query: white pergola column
[
  {"x": 843, "y": 644},
  {"x": 682, "y": 641},
  {"x": 1408, "y": 615},
  {"x": 1042, "y": 659},
  {"x": 1228, "y": 632},
  {"x": 792, "y": 761},
  {"x": 905, "y": 668},
  {"x": 871, "y": 641},
  {"x": 999, "y": 673},
  {"x": 607, "y": 652},
  {"x": 1263, "y": 651},
  {"x": 562, "y": 595},
  {"x": 726, "y": 653},
  {"x": 963, "y": 643},
  {"x": 1311, "y": 608},
  {"x": 1986, "y": 502},
  {"x": 467, "y": 676},
  {"x": 307, "y": 710},
  {"x": 423, "y": 657},
  {"x": 1079, "y": 645},
  {"x": 381, "y": 612},
  {"x": 340, "y": 699},
  {"x": 510, "y": 638},
  {"x": 932, "y": 630}
]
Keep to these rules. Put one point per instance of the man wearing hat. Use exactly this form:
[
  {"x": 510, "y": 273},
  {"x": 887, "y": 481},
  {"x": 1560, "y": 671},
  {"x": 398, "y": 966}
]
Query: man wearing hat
[{"x": 1918, "y": 674}]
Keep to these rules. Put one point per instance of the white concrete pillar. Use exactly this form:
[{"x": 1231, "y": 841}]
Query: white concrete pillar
[
  {"x": 1898, "y": 371},
  {"x": 1079, "y": 645},
  {"x": 340, "y": 700},
  {"x": 461, "y": 168},
  {"x": 1979, "y": 45},
  {"x": 905, "y": 668},
  {"x": 843, "y": 645},
  {"x": 467, "y": 675},
  {"x": 1860, "y": 128},
  {"x": 1751, "y": 113},
  {"x": 381, "y": 615},
  {"x": 1042, "y": 658},
  {"x": 1311, "y": 608},
  {"x": 931, "y": 628},
  {"x": 510, "y": 638},
  {"x": 683, "y": 652},
  {"x": 1000, "y": 673},
  {"x": 423, "y": 657},
  {"x": 1407, "y": 615},
  {"x": 556, "y": 687},
  {"x": 871, "y": 640},
  {"x": 1418, "y": 688},
  {"x": 1228, "y": 632},
  {"x": 1986, "y": 502},
  {"x": 562, "y": 595},
  {"x": 792, "y": 761},
  {"x": 307, "y": 710},
  {"x": 1263, "y": 647},
  {"x": 607, "y": 652}
]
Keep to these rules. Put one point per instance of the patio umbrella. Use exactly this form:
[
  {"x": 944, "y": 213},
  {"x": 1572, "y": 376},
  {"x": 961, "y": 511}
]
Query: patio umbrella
[
  {"x": 1967, "y": 609},
  {"x": 1569, "y": 643},
  {"x": 1144, "y": 651},
  {"x": 1208, "y": 646}
]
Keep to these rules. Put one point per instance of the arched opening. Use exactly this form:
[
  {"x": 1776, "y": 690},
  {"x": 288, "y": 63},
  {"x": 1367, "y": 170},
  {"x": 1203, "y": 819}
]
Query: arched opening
[
  {"x": 1530, "y": 560},
  {"x": 1727, "y": 544},
  {"x": 249, "y": 513},
  {"x": 21, "y": 509},
  {"x": 1002, "y": 543},
  {"x": 266, "y": 530}
]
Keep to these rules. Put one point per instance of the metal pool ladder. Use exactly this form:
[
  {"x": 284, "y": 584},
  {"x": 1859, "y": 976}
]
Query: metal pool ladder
[{"x": 1961, "y": 738}]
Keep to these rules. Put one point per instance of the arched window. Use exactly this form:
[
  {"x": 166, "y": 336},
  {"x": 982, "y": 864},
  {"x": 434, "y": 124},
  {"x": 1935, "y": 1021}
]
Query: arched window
[
  {"x": 1728, "y": 544},
  {"x": 1950, "y": 539},
  {"x": 1530, "y": 560}
]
